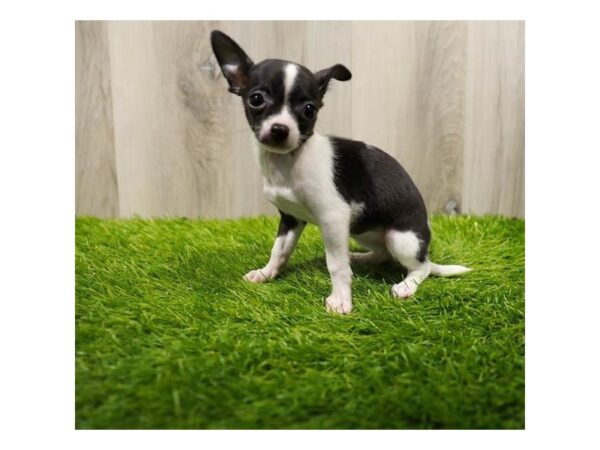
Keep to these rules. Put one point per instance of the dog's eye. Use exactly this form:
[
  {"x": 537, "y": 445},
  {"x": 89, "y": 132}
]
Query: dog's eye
[
  {"x": 256, "y": 100},
  {"x": 309, "y": 111}
]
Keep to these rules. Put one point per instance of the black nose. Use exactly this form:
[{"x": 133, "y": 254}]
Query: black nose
[{"x": 279, "y": 132}]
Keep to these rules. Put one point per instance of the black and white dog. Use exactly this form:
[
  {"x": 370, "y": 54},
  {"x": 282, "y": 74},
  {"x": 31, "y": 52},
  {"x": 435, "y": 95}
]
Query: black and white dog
[{"x": 346, "y": 188}]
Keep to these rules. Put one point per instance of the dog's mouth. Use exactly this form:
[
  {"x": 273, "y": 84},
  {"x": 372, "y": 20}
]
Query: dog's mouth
[{"x": 273, "y": 146}]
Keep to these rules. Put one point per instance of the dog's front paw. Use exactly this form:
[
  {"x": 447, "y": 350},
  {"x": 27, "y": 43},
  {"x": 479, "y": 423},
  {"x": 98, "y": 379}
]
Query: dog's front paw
[
  {"x": 339, "y": 304},
  {"x": 260, "y": 275}
]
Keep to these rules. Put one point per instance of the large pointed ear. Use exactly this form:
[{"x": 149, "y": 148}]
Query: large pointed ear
[
  {"x": 234, "y": 62},
  {"x": 337, "y": 72}
]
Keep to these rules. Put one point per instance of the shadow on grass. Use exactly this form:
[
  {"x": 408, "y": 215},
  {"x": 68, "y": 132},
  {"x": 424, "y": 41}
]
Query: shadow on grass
[
  {"x": 389, "y": 272},
  {"x": 190, "y": 268}
]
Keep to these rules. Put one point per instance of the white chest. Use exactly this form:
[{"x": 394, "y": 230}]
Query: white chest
[
  {"x": 301, "y": 183},
  {"x": 288, "y": 201}
]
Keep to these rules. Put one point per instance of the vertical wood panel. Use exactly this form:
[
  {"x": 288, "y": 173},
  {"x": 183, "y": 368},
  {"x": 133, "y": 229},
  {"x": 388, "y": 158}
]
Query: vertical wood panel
[
  {"x": 382, "y": 82},
  {"x": 165, "y": 129},
  {"x": 329, "y": 43},
  {"x": 204, "y": 111},
  {"x": 438, "y": 119},
  {"x": 96, "y": 189},
  {"x": 494, "y": 169},
  {"x": 410, "y": 88}
]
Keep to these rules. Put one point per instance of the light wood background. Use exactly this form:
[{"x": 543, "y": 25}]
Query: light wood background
[{"x": 157, "y": 133}]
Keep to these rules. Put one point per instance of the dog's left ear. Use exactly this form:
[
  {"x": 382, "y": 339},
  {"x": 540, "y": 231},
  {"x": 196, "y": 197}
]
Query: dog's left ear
[
  {"x": 234, "y": 62},
  {"x": 337, "y": 72}
]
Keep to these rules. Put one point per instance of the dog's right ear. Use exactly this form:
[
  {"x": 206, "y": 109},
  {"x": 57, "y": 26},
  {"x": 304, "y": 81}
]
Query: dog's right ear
[{"x": 234, "y": 62}]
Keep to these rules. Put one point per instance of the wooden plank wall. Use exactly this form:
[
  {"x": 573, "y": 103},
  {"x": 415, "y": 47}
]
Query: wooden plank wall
[{"x": 157, "y": 133}]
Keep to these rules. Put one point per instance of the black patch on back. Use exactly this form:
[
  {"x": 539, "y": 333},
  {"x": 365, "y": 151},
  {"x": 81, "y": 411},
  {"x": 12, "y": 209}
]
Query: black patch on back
[{"x": 368, "y": 175}]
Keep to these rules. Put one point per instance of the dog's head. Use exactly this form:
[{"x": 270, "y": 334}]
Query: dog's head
[{"x": 281, "y": 99}]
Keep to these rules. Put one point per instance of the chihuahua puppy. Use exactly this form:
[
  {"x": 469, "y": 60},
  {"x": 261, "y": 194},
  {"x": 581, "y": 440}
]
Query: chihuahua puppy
[{"x": 346, "y": 188}]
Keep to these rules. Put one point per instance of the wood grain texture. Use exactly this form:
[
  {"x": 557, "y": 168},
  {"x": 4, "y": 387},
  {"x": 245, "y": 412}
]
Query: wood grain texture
[
  {"x": 170, "y": 158},
  {"x": 96, "y": 187},
  {"x": 329, "y": 43},
  {"x": 205, "y": 111},
  {"x": 158, "y": 133},
  {"x": 411, "y": 92},
  {"x": 494, "y": 169}
]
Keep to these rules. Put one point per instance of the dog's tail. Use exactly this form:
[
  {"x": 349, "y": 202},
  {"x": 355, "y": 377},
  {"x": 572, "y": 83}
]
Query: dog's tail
[{"x": 450, "y": 270}]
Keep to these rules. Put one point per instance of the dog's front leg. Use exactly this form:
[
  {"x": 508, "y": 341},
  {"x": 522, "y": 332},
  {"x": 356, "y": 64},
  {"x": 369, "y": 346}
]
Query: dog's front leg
[
  {"x": 336, "y": 234},
  {"x": 288, "y": 234}
]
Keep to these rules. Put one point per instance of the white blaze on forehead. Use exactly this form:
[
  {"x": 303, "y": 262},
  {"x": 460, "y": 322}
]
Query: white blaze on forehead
[
  {"x": 290, "y": 71},
  {"x": 284, "y": 116}
]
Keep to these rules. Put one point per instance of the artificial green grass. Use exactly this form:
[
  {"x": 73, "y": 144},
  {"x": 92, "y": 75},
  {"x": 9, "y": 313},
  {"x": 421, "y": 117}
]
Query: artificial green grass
[{"x": 170, "y": 336}]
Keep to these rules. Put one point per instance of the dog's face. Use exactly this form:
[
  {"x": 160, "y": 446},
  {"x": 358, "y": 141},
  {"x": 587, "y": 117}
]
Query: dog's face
[{"x": 281, "y": 99}]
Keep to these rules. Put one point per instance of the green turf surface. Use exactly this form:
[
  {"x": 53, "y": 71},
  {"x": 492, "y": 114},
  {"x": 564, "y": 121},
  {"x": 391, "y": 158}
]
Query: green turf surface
[{"x": 170, "y": 336}]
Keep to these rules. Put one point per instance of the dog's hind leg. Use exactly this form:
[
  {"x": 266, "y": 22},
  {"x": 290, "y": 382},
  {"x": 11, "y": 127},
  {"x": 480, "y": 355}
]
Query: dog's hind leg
[
  {"x": 370, "y": 257},
  {"x": 374, "y": 242},
  {"x": 405, "y": 247}
]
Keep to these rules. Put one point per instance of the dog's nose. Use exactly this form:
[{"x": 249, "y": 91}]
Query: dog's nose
[{"x": 279, "y": 132}]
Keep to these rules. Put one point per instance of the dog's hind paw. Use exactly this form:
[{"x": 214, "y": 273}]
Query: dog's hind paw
[{"x": 404, "y": 289}]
